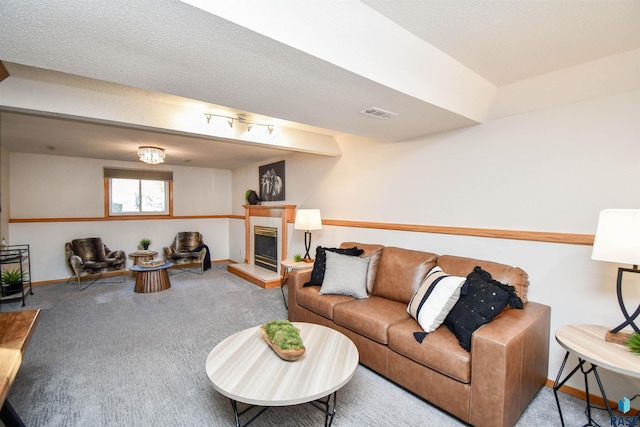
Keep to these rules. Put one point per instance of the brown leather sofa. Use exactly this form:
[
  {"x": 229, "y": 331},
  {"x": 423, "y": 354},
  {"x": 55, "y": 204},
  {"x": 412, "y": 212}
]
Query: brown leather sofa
[{"x": 489, "y": 386}]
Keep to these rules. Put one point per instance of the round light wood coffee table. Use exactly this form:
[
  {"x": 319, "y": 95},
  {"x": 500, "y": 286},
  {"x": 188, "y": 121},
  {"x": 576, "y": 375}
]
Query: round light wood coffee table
[
  {"x": 151, "y": 279},
  {"x": 245, "y": 369}
]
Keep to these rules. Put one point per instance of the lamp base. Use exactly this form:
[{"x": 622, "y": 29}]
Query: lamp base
[
  {"x": 307, "y": 260},
  {"x": 617, "y": 337}
]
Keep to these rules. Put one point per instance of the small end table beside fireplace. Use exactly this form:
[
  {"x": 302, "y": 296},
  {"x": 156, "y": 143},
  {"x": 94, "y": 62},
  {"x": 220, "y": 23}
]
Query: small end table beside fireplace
[{"x": 290, "y": 265}]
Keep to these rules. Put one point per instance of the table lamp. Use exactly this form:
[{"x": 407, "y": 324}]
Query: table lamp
[
  {"x": 618, "y": 240},
  {"x": 307, "y": 220}
]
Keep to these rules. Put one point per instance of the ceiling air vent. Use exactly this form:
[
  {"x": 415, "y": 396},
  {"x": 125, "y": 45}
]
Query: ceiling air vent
[{"x": 378, "y": 113}]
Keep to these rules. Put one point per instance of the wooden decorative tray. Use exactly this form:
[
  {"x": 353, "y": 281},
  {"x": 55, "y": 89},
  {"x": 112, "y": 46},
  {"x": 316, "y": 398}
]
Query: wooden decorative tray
[
  {"x": 151, "y": 264},
  {"x": 288, "y": 355}
]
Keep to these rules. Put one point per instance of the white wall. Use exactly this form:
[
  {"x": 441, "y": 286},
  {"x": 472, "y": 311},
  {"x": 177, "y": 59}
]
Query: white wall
[
  {"x": 67, "y": 187},
  {"x": 548, "y": 170}
]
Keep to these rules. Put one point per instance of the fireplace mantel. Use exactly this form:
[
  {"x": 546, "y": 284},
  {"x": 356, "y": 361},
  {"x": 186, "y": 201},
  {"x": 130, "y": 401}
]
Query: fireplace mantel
[{"x": 286, "y": 212}]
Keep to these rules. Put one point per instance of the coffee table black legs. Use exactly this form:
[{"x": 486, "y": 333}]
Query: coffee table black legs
[
  {"x": 237, "y": 414},
  {"x": 326, "y": 405}
]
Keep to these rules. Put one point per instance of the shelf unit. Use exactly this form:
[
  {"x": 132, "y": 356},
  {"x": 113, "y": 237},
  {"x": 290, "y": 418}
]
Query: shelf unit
[{"x": 16, "y": 257}]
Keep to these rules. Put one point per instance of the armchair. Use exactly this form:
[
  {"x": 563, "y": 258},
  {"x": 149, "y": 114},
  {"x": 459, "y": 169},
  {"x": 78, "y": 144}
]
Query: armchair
[
  {"x": 91, "y": 257},
  {"x": 188, "y": 248}
]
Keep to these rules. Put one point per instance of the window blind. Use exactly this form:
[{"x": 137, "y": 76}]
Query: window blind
[{"x": 138, "y": 174}]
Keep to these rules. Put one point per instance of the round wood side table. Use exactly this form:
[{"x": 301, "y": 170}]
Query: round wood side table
[{"x": 141, "y": 256}]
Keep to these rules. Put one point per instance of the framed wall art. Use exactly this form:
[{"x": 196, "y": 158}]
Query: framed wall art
[{"x": 272, "y": 182}]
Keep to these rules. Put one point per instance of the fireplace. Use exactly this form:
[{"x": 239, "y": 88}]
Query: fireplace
[
  {"x": 266, "y": 247},
  {"x": 278, "y": 216}
]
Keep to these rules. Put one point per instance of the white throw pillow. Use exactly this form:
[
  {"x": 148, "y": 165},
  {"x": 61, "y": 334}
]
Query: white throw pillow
[
  {"x": 435, "y": 298},
  {"x": 345, "y": 275}
]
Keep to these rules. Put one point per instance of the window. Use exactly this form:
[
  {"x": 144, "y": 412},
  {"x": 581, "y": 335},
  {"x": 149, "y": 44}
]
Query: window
[{"x": 138, "y": 192}]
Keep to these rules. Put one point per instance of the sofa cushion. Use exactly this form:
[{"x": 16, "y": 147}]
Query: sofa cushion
[
  {"x": 435, "y": 298},
  {"x": 345, "y": 275},
  {"x": 370, "y": 317},
  {"x": 320, "y": 264},
  {"x": 485, "y": 299},
  {"x": 401, "y": 272},
  {"x": 439, "y": 351},
  {"x": 374, "y": 253},
  {"x": 503, "y": 273},
  {"x": 323, "y": 305}
]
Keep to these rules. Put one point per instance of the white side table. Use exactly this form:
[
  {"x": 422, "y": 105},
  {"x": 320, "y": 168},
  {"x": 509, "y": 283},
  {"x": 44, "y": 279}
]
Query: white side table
[
  {"x": 587, "y": 342},
  {"x": 290, "y": 265}
]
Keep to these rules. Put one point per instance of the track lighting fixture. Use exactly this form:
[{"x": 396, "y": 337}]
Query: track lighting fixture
[{"x": 258, "y": 129}]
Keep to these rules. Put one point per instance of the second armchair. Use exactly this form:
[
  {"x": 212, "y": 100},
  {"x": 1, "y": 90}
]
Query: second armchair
[{"x": 188, "y": 248}]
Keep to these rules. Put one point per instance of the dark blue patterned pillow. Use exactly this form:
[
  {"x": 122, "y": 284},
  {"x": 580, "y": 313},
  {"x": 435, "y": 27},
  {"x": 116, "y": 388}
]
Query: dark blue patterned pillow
[
  {"x": 320, "y": 264},
  {"x": 484, "y": 300}
]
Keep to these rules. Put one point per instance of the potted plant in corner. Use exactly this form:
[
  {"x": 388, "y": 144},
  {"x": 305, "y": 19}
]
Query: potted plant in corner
[
  {"x": 145, "y": 243},
  {"x": 11, "y": 281}
]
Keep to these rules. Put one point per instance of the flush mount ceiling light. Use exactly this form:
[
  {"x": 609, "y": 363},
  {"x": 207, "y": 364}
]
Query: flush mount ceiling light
[
  {"x": 259, "y": 129},
  {"x": 151, "y": 155}
]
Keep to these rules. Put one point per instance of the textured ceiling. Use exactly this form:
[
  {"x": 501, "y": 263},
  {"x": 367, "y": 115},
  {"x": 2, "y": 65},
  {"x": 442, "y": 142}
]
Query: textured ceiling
[
  {"x": 174, "y": 48},
  {"x": 509, "y": 41}
]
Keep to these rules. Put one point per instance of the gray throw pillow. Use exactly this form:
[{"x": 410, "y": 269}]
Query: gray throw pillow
[{"x": 345, "y": 275}]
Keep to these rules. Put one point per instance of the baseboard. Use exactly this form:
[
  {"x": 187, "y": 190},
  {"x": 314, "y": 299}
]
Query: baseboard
[
  {"x": 581, "y": 394},
  {"x": 109, "y": 274}
]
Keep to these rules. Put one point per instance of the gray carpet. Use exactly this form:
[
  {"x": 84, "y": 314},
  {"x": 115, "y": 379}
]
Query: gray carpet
[{"x": 107, "y": 356}]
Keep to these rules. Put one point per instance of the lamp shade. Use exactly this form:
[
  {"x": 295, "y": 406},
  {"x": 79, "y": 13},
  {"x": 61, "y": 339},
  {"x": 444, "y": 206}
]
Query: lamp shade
[
  {"x": 618, "y": 236},
  {"x": 308, "y": 219}
]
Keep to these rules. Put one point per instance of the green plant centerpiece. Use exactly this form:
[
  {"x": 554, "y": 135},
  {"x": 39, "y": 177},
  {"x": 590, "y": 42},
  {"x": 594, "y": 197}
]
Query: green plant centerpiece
[
  {"x": 145, "y": 243},
  {"x": 633, "y": 343},
  {"x": 297, "y": 257},
  {"x": 284, "y": 338},
  {"x": 11, "y": 281}
]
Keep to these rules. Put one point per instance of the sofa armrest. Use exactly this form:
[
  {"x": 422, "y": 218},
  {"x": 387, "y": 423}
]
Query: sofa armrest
[
  {"x": 296, "y": 280},
  {"x": 509, "y": 364}
]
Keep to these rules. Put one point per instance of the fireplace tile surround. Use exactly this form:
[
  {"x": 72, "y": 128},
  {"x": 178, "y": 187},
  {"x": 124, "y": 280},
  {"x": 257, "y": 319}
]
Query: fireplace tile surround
[{"x": 276, "y": 216}]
